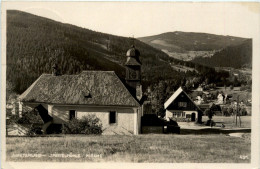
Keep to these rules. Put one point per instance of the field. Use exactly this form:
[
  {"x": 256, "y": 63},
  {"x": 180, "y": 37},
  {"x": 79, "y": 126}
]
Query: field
[
  {"x": 182, "y": 68},
  {"x": 188, "y": 55},
  {"x": 213, "y": 148},
  {"x": 230, "y": 121}
]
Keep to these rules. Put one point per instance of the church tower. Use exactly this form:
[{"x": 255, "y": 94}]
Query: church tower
[{"x": 133, "y": 71}]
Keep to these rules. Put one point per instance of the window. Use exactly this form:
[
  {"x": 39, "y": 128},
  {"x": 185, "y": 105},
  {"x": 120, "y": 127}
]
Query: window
[
  {"x": 188, "y": 116},
  {"x": 183, "y": 114},
  {"x": 112, "y": 117},
  {"x": 182, "y": 104},
  {"x": 72, "y": 114},
  {"x": 176, "y": 114}
]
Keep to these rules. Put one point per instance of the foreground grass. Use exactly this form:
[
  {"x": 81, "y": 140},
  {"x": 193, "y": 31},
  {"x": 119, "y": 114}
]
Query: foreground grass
[{"x": 142, "y": 148}]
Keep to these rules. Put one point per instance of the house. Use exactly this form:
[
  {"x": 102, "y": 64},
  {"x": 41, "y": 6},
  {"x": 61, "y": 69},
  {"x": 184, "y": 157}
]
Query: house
[
  {"x": 200, "y": 88},
  {"x": 220, "y": 98},
  {"x": 199, "y": 100},
  {"x": 180, "y": 107},
  {"x": 117, "y": 103}
]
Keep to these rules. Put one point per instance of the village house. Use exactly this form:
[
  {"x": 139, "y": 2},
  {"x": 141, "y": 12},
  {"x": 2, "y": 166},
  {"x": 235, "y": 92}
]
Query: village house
[
  {"x": 117, "y": 103},
  {"x": 181, "y": 107}
]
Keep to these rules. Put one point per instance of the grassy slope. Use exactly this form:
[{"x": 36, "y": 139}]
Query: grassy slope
[{"x": 143, "y": 148}]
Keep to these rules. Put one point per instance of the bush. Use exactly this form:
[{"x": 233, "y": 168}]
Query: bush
[
  {"x": 35, "y": 129},
  {"x": 28, "y": 117},
  {"x": 226, "y": 111},
  {"x": 86, "y": 125},
  {"x": 29, "y": 120},
  {"x": 210, "y": 123},
  {"x": 231, "y": 87}
]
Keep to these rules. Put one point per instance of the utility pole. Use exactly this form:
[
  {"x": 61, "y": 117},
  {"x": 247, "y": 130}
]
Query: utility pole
[
  {"x": 236, "y": 112},
  {"x": 239, "y": 115}
]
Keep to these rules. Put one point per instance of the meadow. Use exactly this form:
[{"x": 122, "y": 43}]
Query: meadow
[
  {"x": 167, "y": 148},
  {"x": 230, "y": 121}
]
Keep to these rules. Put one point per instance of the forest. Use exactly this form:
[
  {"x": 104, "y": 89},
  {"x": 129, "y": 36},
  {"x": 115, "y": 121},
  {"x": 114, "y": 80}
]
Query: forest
[
  {"x": 35, "y": 43},
  {"x": 232, "y": 56}
]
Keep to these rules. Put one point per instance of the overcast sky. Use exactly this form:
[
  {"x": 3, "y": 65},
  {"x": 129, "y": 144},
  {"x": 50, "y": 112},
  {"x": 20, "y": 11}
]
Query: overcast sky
[{"x": 150, "y": 18}]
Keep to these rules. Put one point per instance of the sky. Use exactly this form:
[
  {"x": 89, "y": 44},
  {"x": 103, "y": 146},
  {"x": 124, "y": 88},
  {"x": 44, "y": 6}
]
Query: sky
[{"x": 140, "y": 19}]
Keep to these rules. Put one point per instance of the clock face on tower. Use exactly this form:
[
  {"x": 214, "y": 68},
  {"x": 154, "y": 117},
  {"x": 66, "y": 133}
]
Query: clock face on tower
[{"x": 132, "y": 74}]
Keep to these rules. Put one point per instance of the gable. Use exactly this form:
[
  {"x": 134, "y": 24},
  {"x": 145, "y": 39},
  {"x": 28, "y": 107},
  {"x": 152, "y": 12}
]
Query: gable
[
  {"x": 87, "y": 88},
  {"x": 180, "y": 101}
]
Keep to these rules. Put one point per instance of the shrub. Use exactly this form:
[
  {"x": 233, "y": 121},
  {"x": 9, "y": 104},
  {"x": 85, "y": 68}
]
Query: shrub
[
  {"x": 231, "y": 87},
  {"x": 30, "y": 120},
  {"x": 86, "y": 125},
  {"x": 210, "y": 123},
  {"x": 28, "y": 117},
  {"x": 34, "y": 129},
  {"x": 226, "y": 111}
]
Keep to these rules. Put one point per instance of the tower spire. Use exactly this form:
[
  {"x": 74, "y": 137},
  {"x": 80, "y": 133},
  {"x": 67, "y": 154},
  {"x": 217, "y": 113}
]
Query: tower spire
[
  {"x": 133, "y": 71},
  {"x": 133, "y": 41}
]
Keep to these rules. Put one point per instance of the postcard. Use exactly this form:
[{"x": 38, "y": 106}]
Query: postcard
[{"x": 130, "y": 84}]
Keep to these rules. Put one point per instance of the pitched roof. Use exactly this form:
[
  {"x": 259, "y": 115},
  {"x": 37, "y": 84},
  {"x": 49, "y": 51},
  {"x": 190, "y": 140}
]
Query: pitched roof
[
  {"x": 174, "y": 96},
  {"x": 88, "y": 87}
]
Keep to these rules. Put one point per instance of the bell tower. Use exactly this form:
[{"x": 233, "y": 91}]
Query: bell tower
[{"x": 133, "y": 71}]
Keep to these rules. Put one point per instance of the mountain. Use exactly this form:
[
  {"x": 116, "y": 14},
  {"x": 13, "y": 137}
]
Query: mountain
[
  {"x": 232, "y": 56},
  {"x": 190, "y": 46},
  {"x": 34, "y": 43}
]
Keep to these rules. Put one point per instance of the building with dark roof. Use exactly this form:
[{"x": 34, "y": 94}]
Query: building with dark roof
[
  {"x": 59, "y": 98},
  {"x": 180, "y": 107}
]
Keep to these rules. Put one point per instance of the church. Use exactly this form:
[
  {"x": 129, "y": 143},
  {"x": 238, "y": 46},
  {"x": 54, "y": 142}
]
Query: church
[{"x": 117, "y": 103}]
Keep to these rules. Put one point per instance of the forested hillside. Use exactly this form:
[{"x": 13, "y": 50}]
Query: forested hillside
[
  {"x": 233, "y": 56},
  {"x": 207, "y": 49},
  {"x": 33, "y": 43}
]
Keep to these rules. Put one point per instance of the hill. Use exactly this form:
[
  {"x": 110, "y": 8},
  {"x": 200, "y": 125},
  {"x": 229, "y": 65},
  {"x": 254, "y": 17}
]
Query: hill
[
  {"x": 190, "y": 46},
  {"x": 233, "y": 56},
  {"x": 33, "y": 43},
  {"x": 190, "y": 41}
]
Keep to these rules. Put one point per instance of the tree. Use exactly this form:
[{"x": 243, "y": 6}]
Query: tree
[
  {"x": 231, "y": 87},
  {"x": 210, "y": 114},
  {"x": 158, "y": 98}
]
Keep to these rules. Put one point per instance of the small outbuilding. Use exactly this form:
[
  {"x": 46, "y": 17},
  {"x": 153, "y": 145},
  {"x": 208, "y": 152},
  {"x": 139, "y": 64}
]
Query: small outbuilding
[{"x": 181, "y": 108}]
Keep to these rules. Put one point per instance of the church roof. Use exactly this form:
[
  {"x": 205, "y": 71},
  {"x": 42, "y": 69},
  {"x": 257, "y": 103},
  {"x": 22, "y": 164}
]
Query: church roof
[
  {"x": 133, "y": 52},
  {"x": 102, "y": 88},
  {"x": 133, "y": 57}
]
